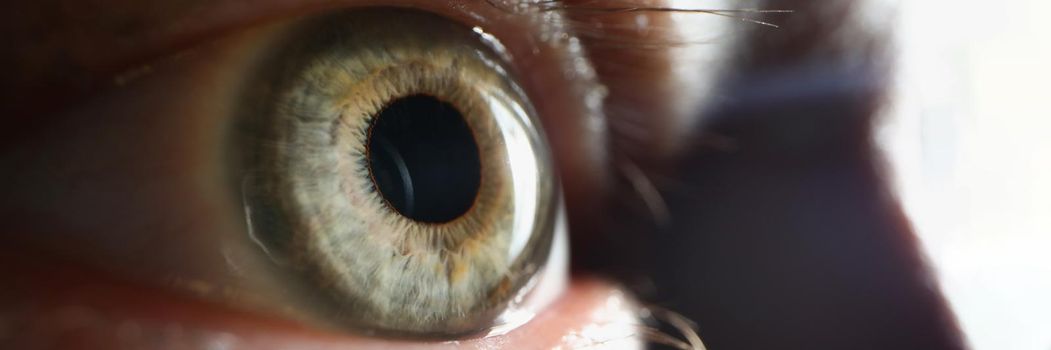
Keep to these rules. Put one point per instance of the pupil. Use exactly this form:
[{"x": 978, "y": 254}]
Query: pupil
[{"x": 423, "y": 159}]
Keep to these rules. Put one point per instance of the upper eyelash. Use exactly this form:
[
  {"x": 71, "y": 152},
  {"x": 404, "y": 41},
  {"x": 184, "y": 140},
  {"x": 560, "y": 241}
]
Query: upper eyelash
[
  {"x": 560, "y": 5},
  {"x": 539, "y": 7}
]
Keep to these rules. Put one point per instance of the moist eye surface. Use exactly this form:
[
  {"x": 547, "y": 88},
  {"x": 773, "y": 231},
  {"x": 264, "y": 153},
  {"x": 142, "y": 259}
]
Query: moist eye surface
[
  {"x": 397, "y": 168},
  {"x": 423, "y": 159}
]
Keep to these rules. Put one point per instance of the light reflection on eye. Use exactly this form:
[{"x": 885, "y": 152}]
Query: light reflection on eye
[{"x": 399, "y": 170}]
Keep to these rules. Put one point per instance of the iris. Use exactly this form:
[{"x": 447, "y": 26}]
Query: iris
[{"x": 400, "y": 171}]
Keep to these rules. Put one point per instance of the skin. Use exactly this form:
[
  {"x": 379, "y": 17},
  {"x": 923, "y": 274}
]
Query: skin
[{"x": 775, "y": 239}]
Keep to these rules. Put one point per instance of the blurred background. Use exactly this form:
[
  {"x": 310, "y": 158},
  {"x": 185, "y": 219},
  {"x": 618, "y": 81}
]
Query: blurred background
[{"x": 968, "y": 135}]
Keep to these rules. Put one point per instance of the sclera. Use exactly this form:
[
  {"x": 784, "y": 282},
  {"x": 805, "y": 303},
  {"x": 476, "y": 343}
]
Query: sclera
[{"x": 311, "y": 203}]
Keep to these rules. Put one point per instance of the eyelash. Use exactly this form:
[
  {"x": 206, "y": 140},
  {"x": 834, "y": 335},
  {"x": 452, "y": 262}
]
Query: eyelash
[{"x": 628, "y": 118}]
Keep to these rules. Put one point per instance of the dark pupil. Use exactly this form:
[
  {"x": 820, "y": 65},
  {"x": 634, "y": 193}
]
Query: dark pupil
[{"x": 423, "y": 159}]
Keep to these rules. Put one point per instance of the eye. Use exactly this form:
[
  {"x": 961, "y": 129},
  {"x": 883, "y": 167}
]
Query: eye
[
  {"x": 399, "y": 171},
  {"x": 358, "y": 170},
  {"x": 184, "y": 191},
  {"x": 234, "y": 173}
]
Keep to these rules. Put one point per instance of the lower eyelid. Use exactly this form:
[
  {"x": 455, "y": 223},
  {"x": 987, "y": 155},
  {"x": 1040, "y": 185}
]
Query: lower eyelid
[{"x": 56, "y": 304}]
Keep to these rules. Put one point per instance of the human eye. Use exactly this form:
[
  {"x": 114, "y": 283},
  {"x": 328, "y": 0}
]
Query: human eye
[
  {"x": 191, "y": 175},
  {"x": 377, "y": 175}
]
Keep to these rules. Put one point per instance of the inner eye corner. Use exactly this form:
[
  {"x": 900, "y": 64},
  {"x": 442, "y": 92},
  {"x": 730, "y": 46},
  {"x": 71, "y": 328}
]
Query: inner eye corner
[{"x": 424, "y": 159}]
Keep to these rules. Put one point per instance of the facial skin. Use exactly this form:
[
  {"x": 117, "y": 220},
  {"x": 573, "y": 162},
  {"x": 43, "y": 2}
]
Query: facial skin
[{"x": 782, "y": 232}]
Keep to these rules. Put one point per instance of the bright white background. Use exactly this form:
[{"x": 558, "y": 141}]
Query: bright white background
[{"x": 969, "y": 136}]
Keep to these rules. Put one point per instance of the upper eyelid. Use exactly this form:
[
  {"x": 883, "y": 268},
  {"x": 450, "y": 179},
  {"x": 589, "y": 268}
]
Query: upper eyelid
[{"x": 91, "y": 40}]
